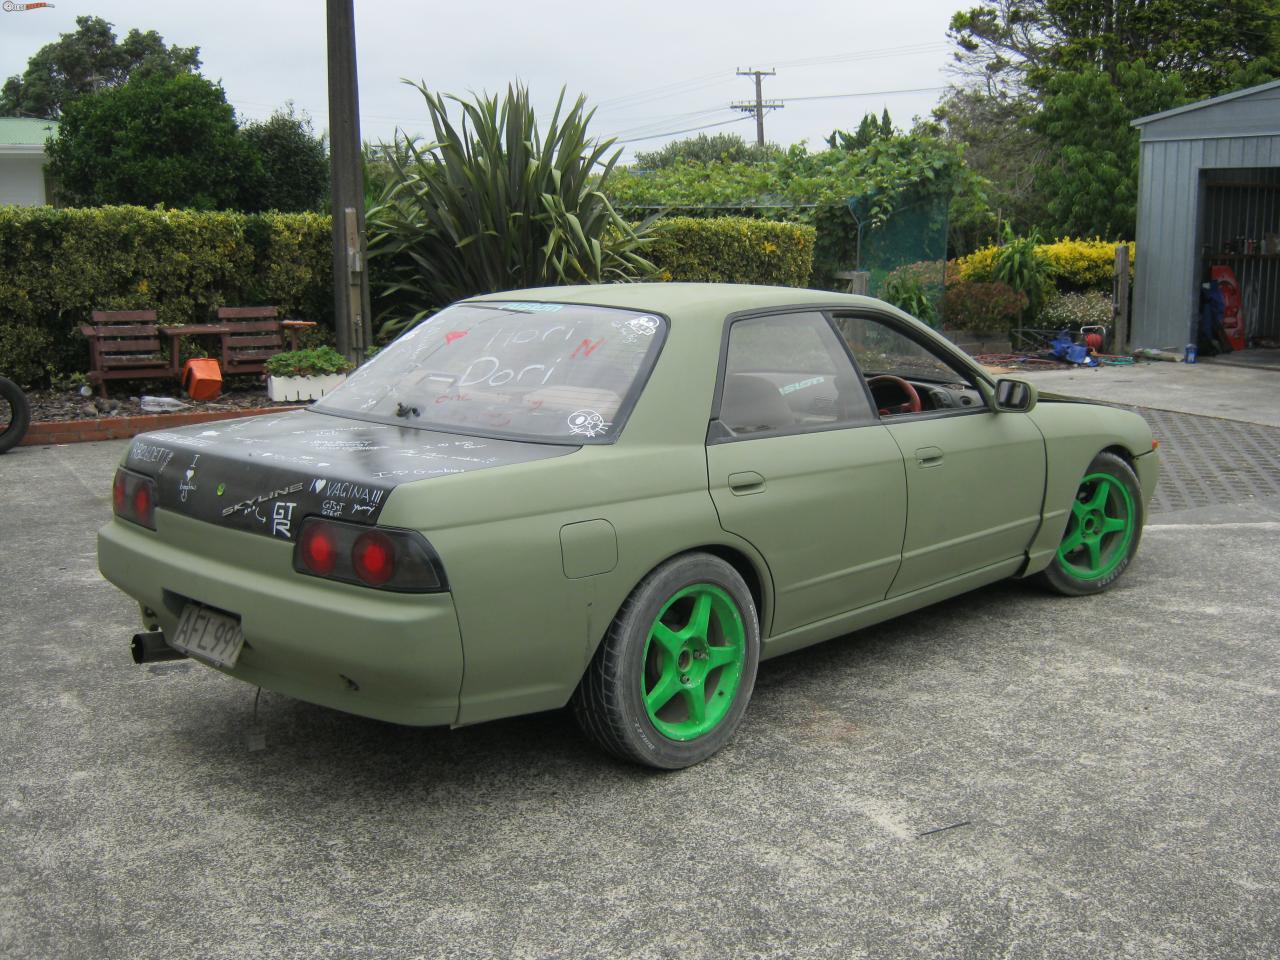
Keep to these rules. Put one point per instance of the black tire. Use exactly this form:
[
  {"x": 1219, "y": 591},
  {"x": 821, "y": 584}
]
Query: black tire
[
  {"x": 1111, "y": 478},
  {"x": 609, "y": 703},
  {"x": 15, "y": 414}
]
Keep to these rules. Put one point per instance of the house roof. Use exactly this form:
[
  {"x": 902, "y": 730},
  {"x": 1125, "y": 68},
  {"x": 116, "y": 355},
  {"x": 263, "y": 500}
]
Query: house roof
[
  {"x": 1211, "y": 102},
  {"x": 22, "y": 132}
]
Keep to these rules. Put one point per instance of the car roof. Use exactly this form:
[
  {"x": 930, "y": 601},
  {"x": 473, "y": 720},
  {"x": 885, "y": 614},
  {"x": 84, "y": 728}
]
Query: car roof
[{"x": 674, "y": 298}]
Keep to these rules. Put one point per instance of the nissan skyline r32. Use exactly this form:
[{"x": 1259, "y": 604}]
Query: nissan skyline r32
[{"x": 617, "y": 496}]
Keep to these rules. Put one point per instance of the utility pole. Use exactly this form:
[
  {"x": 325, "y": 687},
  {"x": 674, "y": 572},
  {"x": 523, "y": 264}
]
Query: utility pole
[
  {"x": 351, "y": 319},
  {"x": 760, "y": 105}
]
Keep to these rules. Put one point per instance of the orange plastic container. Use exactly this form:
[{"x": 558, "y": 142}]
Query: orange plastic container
[{"x": 202, "y": 379}]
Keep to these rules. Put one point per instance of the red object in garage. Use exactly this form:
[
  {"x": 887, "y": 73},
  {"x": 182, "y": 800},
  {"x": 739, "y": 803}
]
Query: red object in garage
[{"x": 1232, "y": 322}]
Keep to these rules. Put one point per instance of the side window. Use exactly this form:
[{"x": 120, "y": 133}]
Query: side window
[
  {"x": 880, "y": 349},
  {"x": 789, "y": 373},
  {"x": 903, "y": 376}
]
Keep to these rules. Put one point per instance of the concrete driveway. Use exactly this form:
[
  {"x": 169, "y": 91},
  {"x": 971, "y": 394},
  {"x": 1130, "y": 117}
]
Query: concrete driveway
[{"x": 1008, "y": 774}]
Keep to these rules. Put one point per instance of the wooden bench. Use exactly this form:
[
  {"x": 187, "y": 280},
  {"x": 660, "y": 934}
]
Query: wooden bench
[
  {"x": 125, "y": 345},
  {"x": 253, "y": 335}
]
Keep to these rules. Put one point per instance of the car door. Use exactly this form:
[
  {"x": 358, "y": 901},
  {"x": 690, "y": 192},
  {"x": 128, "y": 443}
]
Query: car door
[
  {"x": 799, "y": 466},
  {"x": 975, "y": 477}
]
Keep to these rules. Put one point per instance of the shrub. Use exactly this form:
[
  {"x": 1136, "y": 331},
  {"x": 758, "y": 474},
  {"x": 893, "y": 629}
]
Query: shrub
[
  {"x": 312, "y": 362},
  {"x": 975, "y": 305},
  {"x": 58, "y": 266},
  {"x": 1070, "y": 264},
  {"x": 731, "y": 250},
  {"x": 1083, "y": 264},
  {"x": 916, "y": 288},
  {"x": 908, "y": 294},
  {"x": 1019, "y": 265},
  {"x": 1090, "y": 308},
  {"x": 26, "y": 353}
]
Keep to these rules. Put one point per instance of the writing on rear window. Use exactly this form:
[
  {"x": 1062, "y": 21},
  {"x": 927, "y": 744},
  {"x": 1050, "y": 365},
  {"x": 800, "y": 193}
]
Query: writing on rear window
[{"x": 545, "y": 371}]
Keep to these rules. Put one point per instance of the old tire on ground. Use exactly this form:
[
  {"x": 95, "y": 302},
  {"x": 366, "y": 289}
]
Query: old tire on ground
[
  {"x": 15, "y": 414},
  {"x": 1103, "y": 529},
  {"x": 671, "y": 679}
]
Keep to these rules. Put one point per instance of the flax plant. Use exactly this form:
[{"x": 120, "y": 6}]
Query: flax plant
[{"x": 492, "y": 204}]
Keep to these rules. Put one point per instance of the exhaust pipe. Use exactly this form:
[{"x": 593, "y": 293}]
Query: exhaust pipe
[{"x": 151, "y": 648}]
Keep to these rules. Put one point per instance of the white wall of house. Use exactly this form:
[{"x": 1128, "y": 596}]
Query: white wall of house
[{"x": 22, "y": 178}]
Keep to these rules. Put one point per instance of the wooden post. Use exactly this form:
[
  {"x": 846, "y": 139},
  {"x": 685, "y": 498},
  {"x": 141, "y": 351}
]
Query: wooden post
[
  {"x": 1120, "y": 301},
  {"x": 350, "y": 279}
]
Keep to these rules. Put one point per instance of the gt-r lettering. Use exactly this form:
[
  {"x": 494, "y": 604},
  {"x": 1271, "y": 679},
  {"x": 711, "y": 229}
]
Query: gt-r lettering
[{"x": 281, "y": 518}]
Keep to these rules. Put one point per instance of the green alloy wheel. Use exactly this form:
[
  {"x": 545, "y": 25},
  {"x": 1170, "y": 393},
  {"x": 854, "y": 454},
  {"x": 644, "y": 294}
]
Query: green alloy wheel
[
  {"x": 671, "y": 680},
  {"x": 1102, "y": 532}
]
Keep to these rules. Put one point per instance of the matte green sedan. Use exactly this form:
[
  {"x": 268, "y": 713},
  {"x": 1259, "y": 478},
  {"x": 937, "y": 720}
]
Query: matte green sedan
[{"x": 617, "y": 496}]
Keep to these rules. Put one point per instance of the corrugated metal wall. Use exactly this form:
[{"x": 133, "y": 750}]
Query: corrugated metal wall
[{"x": 1174, "y": 202}]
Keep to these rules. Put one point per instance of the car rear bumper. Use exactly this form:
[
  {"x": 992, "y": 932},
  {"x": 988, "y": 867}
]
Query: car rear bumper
[{"x": 391, "y": 656}]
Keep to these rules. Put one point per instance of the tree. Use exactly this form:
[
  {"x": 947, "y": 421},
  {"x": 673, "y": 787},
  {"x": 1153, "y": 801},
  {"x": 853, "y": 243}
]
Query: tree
[
  {"x": 158, "y": 139},
  {"x": 496, "y": 204},
  {"x": 1054, "y": 85},
  {"x": 86, "y": 61},
  {"x": 1090, "y": 178},
  {"x": 1001, "y": 147},
  {"x": 707, "y": 148},
  {"x": 294, "y": 164},
  {"x": 1006, "y": 44}
]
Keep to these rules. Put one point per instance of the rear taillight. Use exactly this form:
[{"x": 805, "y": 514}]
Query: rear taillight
[
  {"x": 318, "y": 551},
  {"x": 385, "y": 558},
  {"x": 133, "y": 498},
  {"x": 374, "y": 558}
]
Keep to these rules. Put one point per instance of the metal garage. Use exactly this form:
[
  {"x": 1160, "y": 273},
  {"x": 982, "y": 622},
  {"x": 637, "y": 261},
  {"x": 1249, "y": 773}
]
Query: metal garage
[{"x": 1208, "y": 197}]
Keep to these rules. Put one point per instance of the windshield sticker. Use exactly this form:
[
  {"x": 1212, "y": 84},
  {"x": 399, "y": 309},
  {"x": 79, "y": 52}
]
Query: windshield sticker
[
  {"x": 793, "y": 387},
  {"x": 587, "y": 423},
  {"x": 636, "y": 328}
]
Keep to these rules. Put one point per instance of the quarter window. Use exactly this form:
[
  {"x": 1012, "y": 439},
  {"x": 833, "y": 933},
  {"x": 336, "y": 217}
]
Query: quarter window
[{"x": 789, "y": 374}]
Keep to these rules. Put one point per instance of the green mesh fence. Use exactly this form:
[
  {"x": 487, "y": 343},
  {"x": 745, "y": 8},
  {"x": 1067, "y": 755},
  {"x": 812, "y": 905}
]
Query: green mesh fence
[{"x": 906, "y": 256}]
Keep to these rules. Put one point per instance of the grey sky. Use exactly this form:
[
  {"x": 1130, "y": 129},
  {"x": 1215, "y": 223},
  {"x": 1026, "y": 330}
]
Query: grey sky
[{"x": 652, "y": 68}]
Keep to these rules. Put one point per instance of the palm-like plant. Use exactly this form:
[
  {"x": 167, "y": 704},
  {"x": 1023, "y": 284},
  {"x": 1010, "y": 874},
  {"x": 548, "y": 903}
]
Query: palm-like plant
[
  {"x": 1020, "y": 266},
  {"x": 492, "y": 205}
]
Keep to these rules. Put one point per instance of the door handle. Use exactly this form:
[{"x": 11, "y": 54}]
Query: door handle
[
  {"x": 929, "y": 456},
  {"x": 747, "y": 482}
]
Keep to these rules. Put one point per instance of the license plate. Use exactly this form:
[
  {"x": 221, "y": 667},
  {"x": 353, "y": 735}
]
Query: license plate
[{"x": 208, "y": 635}]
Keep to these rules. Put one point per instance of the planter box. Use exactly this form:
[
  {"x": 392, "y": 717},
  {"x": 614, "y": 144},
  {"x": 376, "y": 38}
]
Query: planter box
[{"x": 302, "y": 388}]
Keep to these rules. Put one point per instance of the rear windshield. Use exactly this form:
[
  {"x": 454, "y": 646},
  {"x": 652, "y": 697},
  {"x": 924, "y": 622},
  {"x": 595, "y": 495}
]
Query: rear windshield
[{"x": 555, "y": 372}]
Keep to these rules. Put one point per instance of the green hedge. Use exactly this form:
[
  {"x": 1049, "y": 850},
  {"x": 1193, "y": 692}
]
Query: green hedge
[
  {"x": 732, "y": 250},
  {"x": 58, "y": 266}
]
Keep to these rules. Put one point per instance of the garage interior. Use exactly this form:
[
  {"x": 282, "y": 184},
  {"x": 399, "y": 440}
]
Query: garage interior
[{"x": 1239, "y": 228}]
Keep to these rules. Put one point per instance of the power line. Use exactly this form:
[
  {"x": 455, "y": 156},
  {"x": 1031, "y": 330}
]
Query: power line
[
  {"x": 642, "y": 129},
  {"x": 672, "y": 133},
  {"x": 867, "y": 93},
  {"x": 711, "y": 79}
]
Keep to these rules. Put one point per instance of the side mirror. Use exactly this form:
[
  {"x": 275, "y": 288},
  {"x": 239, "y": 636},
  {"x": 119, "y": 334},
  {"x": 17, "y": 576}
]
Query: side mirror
[{"x": 1015, "y": 395}]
